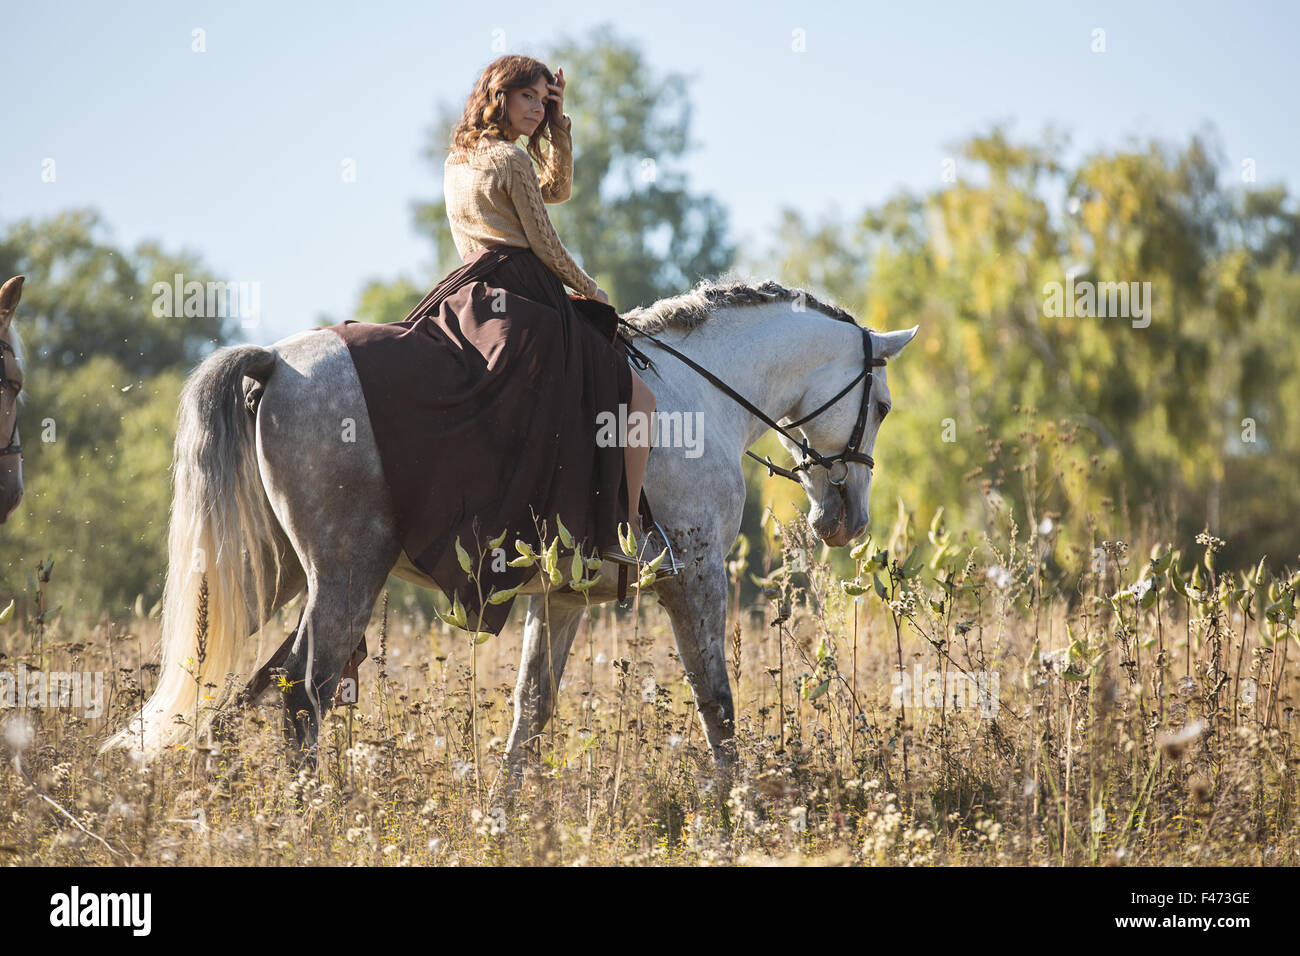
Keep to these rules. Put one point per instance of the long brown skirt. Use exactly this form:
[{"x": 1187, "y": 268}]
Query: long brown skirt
[{"x": 484, "y": 405}]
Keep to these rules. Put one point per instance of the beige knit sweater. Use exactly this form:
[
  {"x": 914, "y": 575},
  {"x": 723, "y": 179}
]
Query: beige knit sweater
[{"x": 494, "y": 197}]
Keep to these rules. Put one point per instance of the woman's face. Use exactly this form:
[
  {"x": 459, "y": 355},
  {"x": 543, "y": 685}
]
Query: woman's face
[{"x": 525, "y": 108}]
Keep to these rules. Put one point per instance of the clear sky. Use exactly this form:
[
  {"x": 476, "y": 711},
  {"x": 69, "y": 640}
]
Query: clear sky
[{"x": 235, "y": 153}]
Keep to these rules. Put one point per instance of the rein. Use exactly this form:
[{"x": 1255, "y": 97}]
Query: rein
[{"x": 810, "y": 455}]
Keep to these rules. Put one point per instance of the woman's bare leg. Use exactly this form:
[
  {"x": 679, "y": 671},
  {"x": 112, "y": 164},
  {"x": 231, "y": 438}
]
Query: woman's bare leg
[{"x": 637, "y": 456}]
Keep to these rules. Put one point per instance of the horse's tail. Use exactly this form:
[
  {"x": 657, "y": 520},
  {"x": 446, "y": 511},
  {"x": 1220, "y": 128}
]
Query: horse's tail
[{"x": 222, "y": 532}]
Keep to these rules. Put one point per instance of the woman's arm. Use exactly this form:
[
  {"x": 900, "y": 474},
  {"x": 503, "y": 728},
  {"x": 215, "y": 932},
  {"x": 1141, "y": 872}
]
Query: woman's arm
[
  {"x": 526, "y": 194},
  {"x": 557, "y": 178}
]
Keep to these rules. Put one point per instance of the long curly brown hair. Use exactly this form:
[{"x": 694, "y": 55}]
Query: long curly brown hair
[{"x": 485, "y": 112}]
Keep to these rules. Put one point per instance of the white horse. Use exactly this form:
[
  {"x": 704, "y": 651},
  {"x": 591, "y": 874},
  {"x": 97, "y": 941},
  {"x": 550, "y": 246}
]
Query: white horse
[{"x": 269, "y": 501}]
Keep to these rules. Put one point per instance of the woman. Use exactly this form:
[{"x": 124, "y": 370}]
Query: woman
[{"x": 510, "y": 376}]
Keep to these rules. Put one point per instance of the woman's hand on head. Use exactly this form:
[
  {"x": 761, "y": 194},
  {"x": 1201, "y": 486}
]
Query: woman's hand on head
[{"x": 557, "y": 94}]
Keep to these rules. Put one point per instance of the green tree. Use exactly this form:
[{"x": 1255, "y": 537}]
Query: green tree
[
  {"x": 1154, "y": 416},
  {"x": 102, "y": 379},
  {"x": 86, "y": 297},
  {"x": 97, "y": 447}
]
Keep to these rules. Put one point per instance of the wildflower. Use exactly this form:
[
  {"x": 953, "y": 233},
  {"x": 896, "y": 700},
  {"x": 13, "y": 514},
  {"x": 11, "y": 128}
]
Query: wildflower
[
  {"x": 1200, "y": 789},
  {"x": 904, "y": 605},
  {"x": 121, "y": 808},
  {"x": 18, "y": 734},
  {"x": 1209, "y": 541},
  {"x": 493, "y": 823},
  {"x": 1174, "y": 744},
  {"x": 999, "y": 576},
  {"x": 989, "y": 830},
  {"x": 798, "y": 819},
  {"x": 1057, "y": 661}
]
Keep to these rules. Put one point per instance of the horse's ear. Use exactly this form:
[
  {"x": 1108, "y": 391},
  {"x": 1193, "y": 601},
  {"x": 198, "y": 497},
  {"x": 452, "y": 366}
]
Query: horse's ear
[
  {"x": 10, "y": 293},
  {"x": 889, "y": 344}
]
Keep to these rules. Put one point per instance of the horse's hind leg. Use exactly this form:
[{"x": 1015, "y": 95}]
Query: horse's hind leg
[
  {"x": 339, "y": 604},
  {"x": 347, "y": 561},
  {"x": 331, "y": 499}
]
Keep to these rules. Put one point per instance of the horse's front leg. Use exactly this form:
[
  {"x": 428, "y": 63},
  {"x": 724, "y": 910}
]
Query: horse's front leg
[
  {"x": 697, "y": 603},
  {"x": 545, "y": 651}
]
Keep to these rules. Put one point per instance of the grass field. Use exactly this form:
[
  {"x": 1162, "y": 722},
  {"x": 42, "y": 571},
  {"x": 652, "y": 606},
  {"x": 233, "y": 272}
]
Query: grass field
[{"x": 1077, "y": 727}]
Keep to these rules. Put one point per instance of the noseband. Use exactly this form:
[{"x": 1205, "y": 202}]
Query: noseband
[
  {"x": 810, "y": 455},
  {"x": 13, "y": 448}
]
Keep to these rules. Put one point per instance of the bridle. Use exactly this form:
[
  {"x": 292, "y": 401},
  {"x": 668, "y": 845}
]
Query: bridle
[
  {"x": 810, "y": 455},
  {"x": 13, "y": 448}
]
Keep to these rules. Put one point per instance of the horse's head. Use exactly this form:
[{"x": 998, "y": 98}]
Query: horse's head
[
  {"x": 839, "y": 494},
  {"x": 11, "y": 380}
]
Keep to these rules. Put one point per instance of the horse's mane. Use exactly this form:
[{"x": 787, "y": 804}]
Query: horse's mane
[{"x": 692, "y": 308}]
